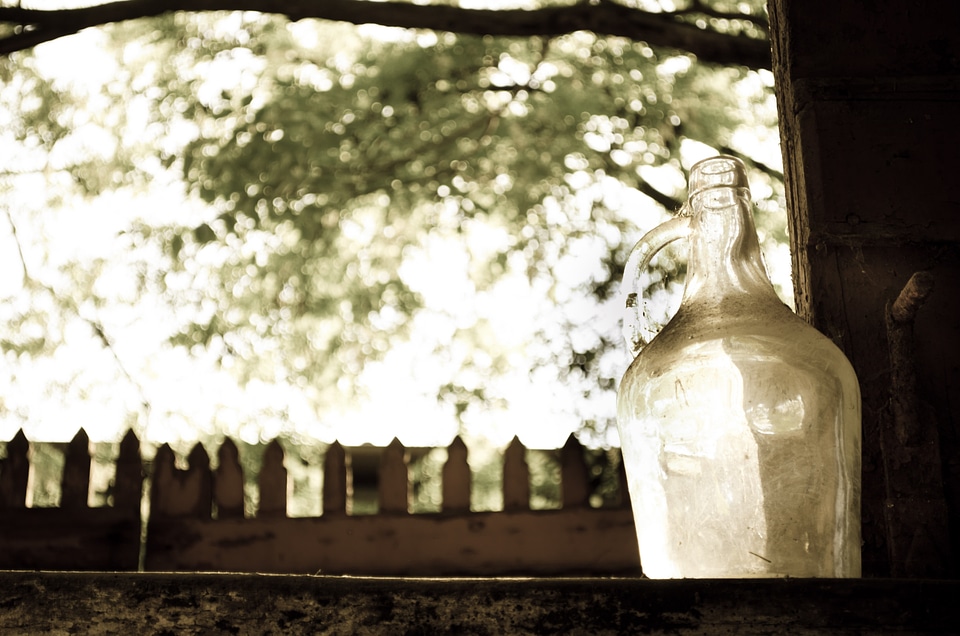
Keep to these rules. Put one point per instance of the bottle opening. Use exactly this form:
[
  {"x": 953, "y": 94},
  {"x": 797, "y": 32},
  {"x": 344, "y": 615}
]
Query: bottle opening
[{"x": 722, "y": 171}]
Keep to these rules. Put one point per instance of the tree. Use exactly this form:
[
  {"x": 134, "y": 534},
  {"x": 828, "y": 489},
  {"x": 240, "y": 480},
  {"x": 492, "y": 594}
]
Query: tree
[{"x": 333, "y": 164}]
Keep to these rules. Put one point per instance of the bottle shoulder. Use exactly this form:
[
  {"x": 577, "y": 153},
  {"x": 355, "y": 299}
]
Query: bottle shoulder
[{"x": 702, "y": 336}]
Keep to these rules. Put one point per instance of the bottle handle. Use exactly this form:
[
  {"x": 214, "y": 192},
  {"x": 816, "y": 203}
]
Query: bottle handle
[{"x": 642, "y": 253}]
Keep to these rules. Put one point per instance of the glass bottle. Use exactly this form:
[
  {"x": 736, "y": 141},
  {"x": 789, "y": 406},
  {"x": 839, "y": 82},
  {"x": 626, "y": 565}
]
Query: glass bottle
[{"x": 739, "y": 422}]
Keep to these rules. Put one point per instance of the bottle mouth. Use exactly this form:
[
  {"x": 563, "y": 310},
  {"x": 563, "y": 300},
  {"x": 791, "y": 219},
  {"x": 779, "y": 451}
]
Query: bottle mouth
[{"x": 717, "y": 172}]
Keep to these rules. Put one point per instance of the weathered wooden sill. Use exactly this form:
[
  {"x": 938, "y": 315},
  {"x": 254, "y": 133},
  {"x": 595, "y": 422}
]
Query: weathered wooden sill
[{"x": 159, "y": 603}]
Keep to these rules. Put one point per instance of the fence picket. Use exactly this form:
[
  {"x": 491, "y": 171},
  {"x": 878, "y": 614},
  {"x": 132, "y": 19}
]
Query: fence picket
[
  {"x": 456, "y": 478},
  {"x": 75, "y": 482},
  {"x": 394, "y": 479},
  {"x": 574, "y": 479},
  {"x": 181, "y": 493},
  {"x": 335, "y": 481},
  {"x": 15, "y": 472},
  {"x": 199, "y": 481},
  {"x": 163, "y": 502},
  {"x": 273, "y": 482},
  {"x": 228, "y": 482},
  {"x": 516, "y": 477},
  {"x": 128, "y": 482}
]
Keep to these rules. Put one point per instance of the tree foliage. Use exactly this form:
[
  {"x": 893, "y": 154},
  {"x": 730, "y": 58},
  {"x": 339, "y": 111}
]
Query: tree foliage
[{"x": 329, "y": 160}]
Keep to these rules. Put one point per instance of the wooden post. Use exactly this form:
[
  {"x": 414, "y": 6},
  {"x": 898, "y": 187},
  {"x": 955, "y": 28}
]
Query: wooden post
[
  {"x": 15, "y": 472},
  {"x": 917, "y": 540},
  {"x": 228, "y": 482},
  {"x": 273, "y": 482},
  {"x": 868, "y": 96},
  {"x": 901, "y": 316},
  {"x": 335, "y": 481},
  {"x": 394, "y": 479},
  {"x": 456, "y": 478},
  {"x": 516, "y": 477}
]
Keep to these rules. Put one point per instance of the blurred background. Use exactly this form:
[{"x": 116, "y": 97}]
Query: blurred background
[{"x": 231, "y": 224}]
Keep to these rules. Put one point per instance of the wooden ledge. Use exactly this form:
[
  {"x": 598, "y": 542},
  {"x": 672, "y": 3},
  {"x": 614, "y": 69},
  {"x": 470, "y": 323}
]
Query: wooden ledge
[{"x": 160, "y": 603}]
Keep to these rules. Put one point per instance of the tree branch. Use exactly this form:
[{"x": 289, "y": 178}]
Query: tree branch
[
  {"x": 698, "y": 7},
  {"x": 667, "y": 201},
  {"x": 25, "y": 276},
  {"x": 68, "y": 303},
  {"x": 34, "y": 26}
]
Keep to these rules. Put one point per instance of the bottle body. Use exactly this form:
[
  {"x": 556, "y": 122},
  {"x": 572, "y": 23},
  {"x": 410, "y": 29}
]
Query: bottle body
[{"x": 746, "y": 461}]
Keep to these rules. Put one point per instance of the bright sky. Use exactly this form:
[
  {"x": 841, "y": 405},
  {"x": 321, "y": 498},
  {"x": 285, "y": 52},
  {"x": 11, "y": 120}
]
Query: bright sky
[{"x": 85, "y": 385}]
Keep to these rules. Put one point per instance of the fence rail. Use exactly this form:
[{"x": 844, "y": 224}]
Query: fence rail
[{"x": 196, "y": 521}]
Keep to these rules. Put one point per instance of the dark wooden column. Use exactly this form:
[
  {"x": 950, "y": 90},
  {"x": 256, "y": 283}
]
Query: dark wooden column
[{"x": 869, "y": 98}]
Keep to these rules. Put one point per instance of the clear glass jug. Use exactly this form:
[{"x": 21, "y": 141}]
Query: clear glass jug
[{"x": 739, "y": 422}]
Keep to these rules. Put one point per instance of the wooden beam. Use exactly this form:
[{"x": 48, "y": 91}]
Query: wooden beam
[{"x": 40, "y": 603}]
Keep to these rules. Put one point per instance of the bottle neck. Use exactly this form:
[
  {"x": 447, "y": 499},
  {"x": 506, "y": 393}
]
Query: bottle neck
[{"x": 725, "y": 257}]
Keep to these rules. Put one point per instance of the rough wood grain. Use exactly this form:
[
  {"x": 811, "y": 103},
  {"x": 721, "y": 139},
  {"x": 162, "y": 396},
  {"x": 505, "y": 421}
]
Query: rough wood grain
[
  {"x": 868, "y": 102},
  {"x": 57, "y": 603}
]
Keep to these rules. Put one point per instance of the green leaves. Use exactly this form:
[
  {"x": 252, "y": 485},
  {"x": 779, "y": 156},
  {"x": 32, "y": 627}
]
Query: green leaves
[
  {"x": 347, "y": 160},
  {"x": 320, "y": 163}
]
